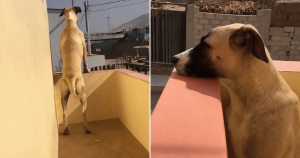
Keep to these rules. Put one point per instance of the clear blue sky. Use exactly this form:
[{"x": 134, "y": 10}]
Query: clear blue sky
[{"x": 98, "y": 20}]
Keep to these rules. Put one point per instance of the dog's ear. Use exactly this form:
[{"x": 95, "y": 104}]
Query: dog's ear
[
  {"x": 77, "y": 9},
  {"x": 247, "y": 37},
  {"x": 62, "y": 12}
]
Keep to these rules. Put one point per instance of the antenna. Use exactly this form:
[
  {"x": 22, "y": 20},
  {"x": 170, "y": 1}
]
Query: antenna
[{"x": 108, "y": 17}]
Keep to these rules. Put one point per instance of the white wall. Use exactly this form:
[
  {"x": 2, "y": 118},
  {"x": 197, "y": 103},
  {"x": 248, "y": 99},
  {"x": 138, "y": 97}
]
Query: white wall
[{"x": 97, "y": 60}]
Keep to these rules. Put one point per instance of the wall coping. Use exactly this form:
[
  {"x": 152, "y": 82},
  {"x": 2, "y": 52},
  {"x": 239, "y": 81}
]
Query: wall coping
[
  {"x": 188, "y": 118},
  {"x": 289, "y": 66},
  {"x": 123, "y": 71},
  {"x": 134, "y": 74}
]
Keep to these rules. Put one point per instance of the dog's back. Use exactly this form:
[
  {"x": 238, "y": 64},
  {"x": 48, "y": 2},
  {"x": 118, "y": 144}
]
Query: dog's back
[{"x": 71, "y": 49}]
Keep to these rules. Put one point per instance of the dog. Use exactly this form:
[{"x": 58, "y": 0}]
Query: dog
[
  {"x": 73, "y": 50},
  {"x": 264, "y": 116}
]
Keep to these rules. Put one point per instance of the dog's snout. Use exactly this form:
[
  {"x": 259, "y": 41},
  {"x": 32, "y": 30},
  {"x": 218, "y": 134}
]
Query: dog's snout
[{"x": 174, "y": 60}]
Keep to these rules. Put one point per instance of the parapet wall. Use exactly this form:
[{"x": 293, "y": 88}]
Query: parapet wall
[
  {"x": 118, "y": 93},
  {"x": 284, "y": 43},
  {"x": 199, "y": 23}
]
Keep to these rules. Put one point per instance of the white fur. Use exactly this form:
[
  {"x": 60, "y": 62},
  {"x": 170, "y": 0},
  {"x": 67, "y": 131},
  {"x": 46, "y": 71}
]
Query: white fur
[{"x": 183, "y": 59}]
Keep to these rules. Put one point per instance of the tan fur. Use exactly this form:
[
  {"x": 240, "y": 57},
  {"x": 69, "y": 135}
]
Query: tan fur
[
  {"x": 73, "y": 50},
  {"x": 263, "y": 117}
]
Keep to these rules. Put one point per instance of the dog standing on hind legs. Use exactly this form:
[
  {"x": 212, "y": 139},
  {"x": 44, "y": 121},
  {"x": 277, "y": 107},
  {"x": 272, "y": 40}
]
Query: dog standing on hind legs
[{"x": 73, "y": 50}]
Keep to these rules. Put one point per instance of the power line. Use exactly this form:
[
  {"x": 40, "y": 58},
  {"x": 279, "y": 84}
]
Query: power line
[
  {"x": 107, "y": 3},
  {"x": 104, "y": 6},
  {"x": 121, "y": 3},
  {"x": 115, "y": 5},
  {"x": 119, "y": 6},
  {"x": 81, "y": 19}
]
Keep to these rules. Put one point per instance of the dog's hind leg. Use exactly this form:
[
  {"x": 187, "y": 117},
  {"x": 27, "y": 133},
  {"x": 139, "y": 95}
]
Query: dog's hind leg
[
  {"x": 84, "y": 105},
  {"x": 65, "y": 93}
]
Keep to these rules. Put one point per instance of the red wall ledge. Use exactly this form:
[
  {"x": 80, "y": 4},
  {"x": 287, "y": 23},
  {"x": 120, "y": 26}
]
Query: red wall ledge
[
  {"x": 188, "y": 119},
  {"x": 292, "y": 66}
]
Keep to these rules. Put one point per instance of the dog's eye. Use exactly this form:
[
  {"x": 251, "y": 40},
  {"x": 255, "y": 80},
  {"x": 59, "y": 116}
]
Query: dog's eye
[{"x": 218, "y": 57}]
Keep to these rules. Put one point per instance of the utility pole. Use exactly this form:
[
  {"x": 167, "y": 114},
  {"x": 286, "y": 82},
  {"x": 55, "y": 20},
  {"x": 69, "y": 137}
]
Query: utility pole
[
  {"x": 108, "y": 22},
  {"x": 86, "y": 9},
  {"x": 72, "y": 3}
]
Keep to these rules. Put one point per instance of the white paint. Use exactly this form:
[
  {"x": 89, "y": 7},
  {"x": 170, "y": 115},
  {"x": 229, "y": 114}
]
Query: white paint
[{"x": 97, "y": 60}]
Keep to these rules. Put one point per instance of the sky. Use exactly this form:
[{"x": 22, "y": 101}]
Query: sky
[{"x": 97, "y": 20}]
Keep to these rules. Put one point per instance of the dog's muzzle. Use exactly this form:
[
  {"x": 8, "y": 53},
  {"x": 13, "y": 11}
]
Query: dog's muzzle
[
  {"x": 180, "y": 61},
  {"x": 174, "y": 60}
]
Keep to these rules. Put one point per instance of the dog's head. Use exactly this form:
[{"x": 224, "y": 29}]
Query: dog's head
[
  {"x": 221, "y": 52},
  {"x": 71, "y": 13}
]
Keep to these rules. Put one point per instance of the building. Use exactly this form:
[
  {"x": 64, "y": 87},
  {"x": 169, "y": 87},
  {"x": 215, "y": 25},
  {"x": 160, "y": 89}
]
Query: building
[{"x": 122, "y": 46}]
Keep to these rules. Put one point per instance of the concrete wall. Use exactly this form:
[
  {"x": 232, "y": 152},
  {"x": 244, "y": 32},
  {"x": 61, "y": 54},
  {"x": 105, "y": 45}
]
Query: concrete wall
[
  {"x": 112, "y": 94},
  {"x": 199, "y": 23},
  {"x": 131, "y": 101},
  {"x": 110, "y": 61},
  {"x": 285, "y": 13},
  {"x": 284, "y": 43},
  {"x": 95, "y": 60},
  {"x": 99, "y": 107},
  {"x": 56, "y": 26},
  {"x": 27, "y": 115}
]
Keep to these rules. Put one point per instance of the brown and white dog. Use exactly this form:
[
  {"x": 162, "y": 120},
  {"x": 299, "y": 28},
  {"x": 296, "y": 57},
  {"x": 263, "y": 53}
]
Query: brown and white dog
[
  {"x": 73, "y": 50},
  {"x": 264, "y": 116}
]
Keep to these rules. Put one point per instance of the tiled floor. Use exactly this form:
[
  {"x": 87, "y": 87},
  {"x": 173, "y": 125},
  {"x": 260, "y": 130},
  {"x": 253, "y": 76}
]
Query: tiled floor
[{"x": 109, "y": 139}]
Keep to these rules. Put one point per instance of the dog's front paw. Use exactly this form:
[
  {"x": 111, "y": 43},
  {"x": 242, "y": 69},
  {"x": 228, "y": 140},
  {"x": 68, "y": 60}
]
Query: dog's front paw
[
  {"x": 86, "y": 131},
  {"x": 86, "y": 71}
]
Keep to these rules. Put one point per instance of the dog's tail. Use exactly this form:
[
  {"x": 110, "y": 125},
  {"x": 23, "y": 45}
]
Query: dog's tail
[{"x": 71, "y": 82}]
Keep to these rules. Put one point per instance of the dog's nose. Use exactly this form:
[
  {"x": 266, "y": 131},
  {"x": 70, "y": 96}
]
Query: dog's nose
[{"x": 174, "y": 60}]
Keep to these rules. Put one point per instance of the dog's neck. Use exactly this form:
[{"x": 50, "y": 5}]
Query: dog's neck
[
  {"x": 71, "y": 23},
  {"x": 256, "y": 83}
]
